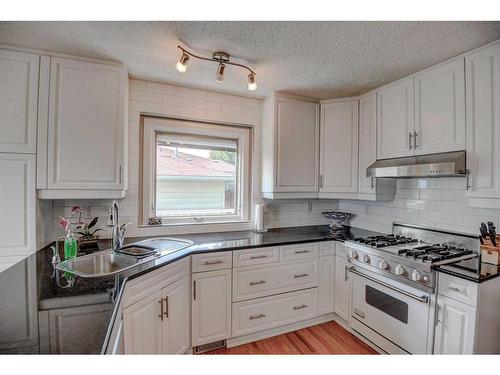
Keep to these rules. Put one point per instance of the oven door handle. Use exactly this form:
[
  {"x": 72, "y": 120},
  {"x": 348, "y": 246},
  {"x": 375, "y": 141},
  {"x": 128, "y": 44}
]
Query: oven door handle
[{"x": 423, "y": 299}]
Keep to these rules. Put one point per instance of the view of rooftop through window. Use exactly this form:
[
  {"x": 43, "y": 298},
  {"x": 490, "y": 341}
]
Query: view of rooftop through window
[{"x": 195, "y": 176}]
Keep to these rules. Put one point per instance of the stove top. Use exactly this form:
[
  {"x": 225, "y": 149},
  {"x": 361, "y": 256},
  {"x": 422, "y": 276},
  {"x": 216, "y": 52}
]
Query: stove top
[{"x": 385, "y": 240}]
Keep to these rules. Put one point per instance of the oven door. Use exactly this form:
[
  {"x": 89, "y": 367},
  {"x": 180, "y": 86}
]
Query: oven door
[{"x": 398, "y": 313}]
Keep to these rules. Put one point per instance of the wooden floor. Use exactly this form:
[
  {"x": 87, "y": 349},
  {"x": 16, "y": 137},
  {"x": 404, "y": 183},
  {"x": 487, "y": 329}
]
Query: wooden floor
[{"x": 326, "y": 338}]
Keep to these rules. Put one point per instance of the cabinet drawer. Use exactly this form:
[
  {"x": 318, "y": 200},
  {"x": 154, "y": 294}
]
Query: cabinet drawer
[
  {"x": 137, "y": 289},
  {"x": 255, "y": 256},
  {"x": 326, "y": 248},
  {"x": 269, "y": 312},
  {"x": 259, "y": 281},
  {"x": 212, "y": 261},
  {"x": 296, "y": 252},
  {"x": 458, "y": 289}
]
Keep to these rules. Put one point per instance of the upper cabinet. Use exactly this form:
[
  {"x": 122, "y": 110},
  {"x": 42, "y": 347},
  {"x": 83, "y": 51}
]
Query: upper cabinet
[
  {"x": 339, "y": 146},
  {"x": 483, "y": 126},
  {"x": 395, "y": 120},
  {"x": 18, "y": 101},
  {"x": 290, "y": 145},
  {"x": 83, "y": 136},
  {"x": 423, "y": 114},
  {"x": 440, "y": 109}
]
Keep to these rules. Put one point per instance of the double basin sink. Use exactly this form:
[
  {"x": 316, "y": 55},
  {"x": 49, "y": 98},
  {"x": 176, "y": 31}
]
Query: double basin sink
[{"x": 109, "y": 262}]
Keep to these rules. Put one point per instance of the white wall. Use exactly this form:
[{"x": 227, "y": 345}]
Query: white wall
[{"x": 433, "y": 202}]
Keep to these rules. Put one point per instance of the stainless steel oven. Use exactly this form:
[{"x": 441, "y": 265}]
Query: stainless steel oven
[{"x": 393, "y": 315}]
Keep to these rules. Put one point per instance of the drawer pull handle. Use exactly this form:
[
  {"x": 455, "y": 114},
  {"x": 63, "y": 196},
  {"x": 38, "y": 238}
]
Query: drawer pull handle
[
  {"x": 253, "y": 317},
  {"x": 209, "y": 263},
  {"x": 252, "y": 283},
  {"x": 301, "y": 275},
  {"x": 301, "y": 251},
  {"x": 455, "y": 289},
  {"x": 300, "y": 307},
  {"x": 258, "y": 256}
]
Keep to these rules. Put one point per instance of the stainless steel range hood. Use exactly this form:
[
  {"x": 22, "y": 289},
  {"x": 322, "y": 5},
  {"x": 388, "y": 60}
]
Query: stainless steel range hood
[{"x": 447, "y": 164}]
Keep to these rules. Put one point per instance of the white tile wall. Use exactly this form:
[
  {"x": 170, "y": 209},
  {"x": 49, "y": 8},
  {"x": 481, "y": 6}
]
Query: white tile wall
[
  {"x": 174, "y": 101},
  {"x": 433, "y": 202}
]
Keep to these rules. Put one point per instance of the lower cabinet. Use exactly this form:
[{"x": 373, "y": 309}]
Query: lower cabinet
[
  {"x": 326, "y": 284},
  {"x": 456, "y": 326},
  {"x": 211, "y": 306},
  {"x": 342, "y": 289},
  {"x": 159, "y": 323}
]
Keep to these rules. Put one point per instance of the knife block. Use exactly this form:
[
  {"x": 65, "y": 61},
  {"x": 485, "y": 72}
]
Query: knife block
[{"x": 489, "y": 253}]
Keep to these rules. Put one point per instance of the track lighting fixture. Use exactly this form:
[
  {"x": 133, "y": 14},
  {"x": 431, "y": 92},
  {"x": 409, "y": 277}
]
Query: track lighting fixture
[
  {"x": 219, "y": 57},
  {"x": 220, "y": 73},
  {"x": 252, "y": 82}
]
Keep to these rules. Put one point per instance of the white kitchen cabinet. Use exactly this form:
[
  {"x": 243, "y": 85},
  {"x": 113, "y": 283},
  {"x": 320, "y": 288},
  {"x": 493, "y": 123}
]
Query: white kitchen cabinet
[
  {"x": 440, "y": 109},
  {"x": 17, "y": 206},
  {"x": 342, "y": 288},
  {"x": 326, "y": 284},
  {"x": 395, "y": 119},
  {"x": 456, "y": 327},
  {"x": 159, "y": 323},
  {"x": 290, "y": 144},
  {"x": 211, "y": 307},
  {"x": 83, "y": 138},
  {"x": 339, "y": 146},
  {"x": 142, "y": 326},
  {"x": 483, "y": 126},
  {"x": 370, "y": 188},
  {"x": 18, "y": 101}
]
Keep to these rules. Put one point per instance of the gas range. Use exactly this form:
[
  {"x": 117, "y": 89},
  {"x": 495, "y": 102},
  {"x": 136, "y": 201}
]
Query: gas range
[{"x": 410, "y": 253}]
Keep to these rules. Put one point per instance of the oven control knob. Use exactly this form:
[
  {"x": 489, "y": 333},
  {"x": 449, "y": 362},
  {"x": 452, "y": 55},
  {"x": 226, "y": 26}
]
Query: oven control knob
[
  {"x": 400, "y": 270},
  {"x": 366, "y": 258},
  {"x": 384, "y": 265},
  {"x": 354, "y": 254},
  {"x": 417, "y": 275}
]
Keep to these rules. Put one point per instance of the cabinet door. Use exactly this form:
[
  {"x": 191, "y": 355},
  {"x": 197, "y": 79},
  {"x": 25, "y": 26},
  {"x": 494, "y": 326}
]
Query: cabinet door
[
  {"x": 17, "y": 206},
  {"x": 367, "y": 141},
  {"x": 483, "y": 122},
  {"x": 211, "y": 307},
  {"x": 176, "y": 317},
  {"x": 87, "y": 122},
  {"x": 342, "y": 289},
  {"x": 143, "y": 326},
  {"x": 440, "y": 109},
  {"x": 339, "y": 146},
  {"x": 395, "y": 120},
  {"x": 455, "y": 329},
  {"x": 326, "y": 284},
  {"x": 297, "y": 143},
  {"x": 18, "y": 101}
]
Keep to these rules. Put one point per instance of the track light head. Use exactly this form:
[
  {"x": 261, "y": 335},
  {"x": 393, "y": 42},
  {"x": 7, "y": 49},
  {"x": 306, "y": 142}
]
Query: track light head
[
  {"x": 181, "y": 65},
  {"x": 219, "y": 76},
  {"x": 252, "y": 82}
]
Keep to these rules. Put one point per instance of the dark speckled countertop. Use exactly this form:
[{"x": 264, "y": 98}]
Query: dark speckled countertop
[{"x": 91, "y": 291}]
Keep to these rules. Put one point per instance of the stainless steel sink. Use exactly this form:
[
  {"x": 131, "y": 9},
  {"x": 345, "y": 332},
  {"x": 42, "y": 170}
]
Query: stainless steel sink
[
  {"x": 103, "y": 263},
  {"x": 165, "y": 245}
]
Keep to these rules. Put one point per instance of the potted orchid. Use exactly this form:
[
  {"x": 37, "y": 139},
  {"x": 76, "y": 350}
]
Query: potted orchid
[{"x": 87, "y": 230}]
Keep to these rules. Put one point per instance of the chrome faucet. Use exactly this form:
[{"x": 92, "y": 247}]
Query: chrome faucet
[{"x": 117, "y": 234}]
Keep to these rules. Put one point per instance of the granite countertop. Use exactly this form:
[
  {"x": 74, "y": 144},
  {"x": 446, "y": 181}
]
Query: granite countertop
[
  {"x": 471, "y": 269},
  {"x": 88, "y": 291}
]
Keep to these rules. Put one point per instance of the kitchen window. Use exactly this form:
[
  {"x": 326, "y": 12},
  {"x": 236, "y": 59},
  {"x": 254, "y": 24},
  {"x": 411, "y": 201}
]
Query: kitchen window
[{"x": 195, "y": 172}]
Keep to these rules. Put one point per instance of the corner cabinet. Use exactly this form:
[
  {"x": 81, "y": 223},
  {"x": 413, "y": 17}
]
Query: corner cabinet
[
  {"x": 82, "y": 129},
  {"x": 339, "y": 147},
  {"x": 290, "y": 145},
  {"x": 159, "y": 323},
  {"x": 483, "y": 126}
]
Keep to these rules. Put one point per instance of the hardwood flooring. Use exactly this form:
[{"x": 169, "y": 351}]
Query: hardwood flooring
[{"x": 326, "y": 338}]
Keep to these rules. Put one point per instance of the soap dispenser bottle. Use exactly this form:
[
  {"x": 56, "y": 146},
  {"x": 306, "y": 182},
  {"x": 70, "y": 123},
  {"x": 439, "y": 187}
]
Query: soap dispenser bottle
[{"x": 70, "y": 245}]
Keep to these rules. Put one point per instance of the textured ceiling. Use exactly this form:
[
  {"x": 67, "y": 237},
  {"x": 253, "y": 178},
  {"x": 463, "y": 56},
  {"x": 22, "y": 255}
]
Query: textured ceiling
[{"x": 314, "y": 59}]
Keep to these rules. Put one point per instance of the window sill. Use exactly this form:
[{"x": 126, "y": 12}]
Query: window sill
[{"x": 183, "y": 224}]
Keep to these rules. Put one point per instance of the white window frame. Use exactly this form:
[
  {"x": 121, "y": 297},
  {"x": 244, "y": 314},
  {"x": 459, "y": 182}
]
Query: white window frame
[{"x": 152, "y": 126}]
